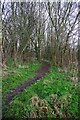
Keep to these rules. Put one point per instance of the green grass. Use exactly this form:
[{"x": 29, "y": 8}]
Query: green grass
[
  {"x": 53, "y": 88},
  {"x": 17, "y": 75}
]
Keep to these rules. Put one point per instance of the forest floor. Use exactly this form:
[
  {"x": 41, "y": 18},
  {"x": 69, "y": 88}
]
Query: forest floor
[
  {"x": 54, "y": 95},
  {"x": 41, "y": 72}
]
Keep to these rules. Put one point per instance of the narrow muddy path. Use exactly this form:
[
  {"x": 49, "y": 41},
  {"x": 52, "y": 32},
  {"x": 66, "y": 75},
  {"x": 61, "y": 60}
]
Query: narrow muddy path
[{"x": 43, "y": 70}]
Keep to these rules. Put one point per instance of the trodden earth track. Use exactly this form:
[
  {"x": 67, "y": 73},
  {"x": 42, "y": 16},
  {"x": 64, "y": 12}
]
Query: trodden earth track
[{"x": 43, "y": 70}]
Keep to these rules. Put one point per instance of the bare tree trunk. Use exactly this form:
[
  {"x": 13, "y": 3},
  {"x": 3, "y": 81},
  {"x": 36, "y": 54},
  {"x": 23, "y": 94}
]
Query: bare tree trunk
[
  {"x": 79, "y": 43},
  {"x": 14, "y": 35}
]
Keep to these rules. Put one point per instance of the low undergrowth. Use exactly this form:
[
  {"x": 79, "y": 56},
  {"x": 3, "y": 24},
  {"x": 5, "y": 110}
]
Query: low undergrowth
[
  {"x": 15, "y": 76},
  {"x": 52, "y": 96}
]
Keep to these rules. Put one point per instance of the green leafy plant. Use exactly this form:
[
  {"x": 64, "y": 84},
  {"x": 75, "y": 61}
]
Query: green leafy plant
[{"x": 52, "y": 96}]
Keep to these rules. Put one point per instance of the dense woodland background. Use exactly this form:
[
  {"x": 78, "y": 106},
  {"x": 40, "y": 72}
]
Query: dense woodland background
[
  {"x": 41, "y": 31},
  {"x": 47, "y": 31}
]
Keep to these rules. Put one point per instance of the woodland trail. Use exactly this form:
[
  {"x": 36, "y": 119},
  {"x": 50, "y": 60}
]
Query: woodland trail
[{"x": 43, "y": 70}]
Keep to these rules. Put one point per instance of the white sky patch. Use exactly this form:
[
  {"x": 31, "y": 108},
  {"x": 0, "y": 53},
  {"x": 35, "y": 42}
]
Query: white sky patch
[{"x": 40, "y": 1}]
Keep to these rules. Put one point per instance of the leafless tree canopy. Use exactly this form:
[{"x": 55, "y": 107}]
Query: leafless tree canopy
[{"x": 42, "y": 31}]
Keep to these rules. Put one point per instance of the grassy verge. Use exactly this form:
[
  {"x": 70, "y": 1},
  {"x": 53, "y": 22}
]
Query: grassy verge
[
  {"x": 17, "y": 75},
  {"x": 52, "y": 96}
]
